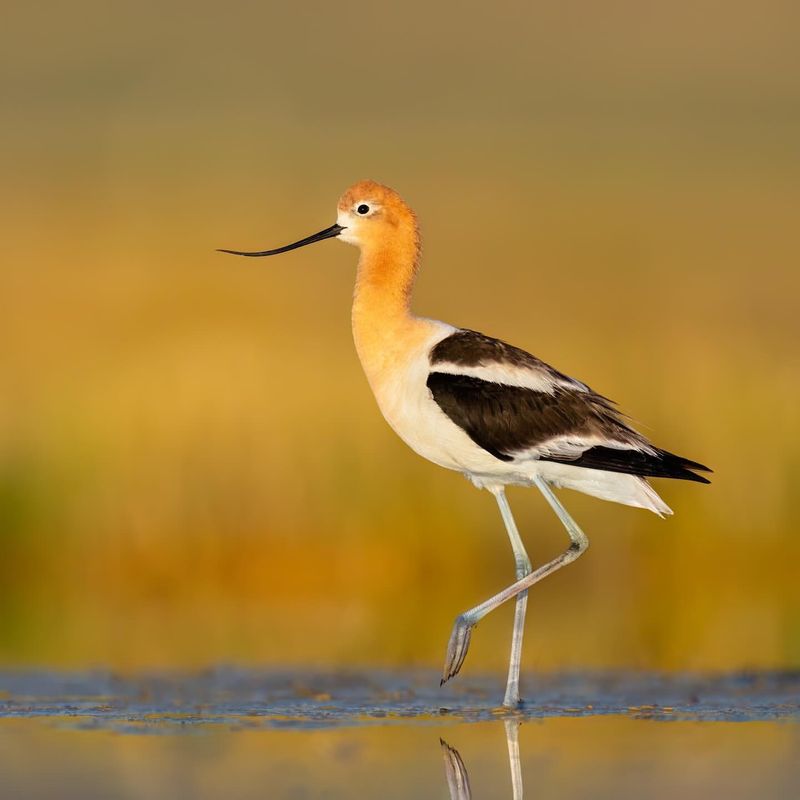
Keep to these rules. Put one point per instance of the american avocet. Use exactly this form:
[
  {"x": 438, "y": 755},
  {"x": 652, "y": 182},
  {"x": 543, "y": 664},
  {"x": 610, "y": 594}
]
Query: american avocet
[{"x": 483, "y": 407}]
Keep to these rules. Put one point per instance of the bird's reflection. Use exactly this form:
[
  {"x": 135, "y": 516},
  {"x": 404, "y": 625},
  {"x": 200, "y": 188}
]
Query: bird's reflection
[
  {"x": 512, "y": 739},
  {"x": 456, "y": 772}
]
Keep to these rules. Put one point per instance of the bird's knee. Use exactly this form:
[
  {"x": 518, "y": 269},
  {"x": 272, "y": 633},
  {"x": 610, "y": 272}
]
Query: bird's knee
[{"x": 578, "y": 547}]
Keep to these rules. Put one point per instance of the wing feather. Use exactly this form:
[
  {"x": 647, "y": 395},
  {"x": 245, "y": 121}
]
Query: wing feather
[{"x": 539, "y": 412}]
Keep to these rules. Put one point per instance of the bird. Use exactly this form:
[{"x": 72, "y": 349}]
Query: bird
[{"x": 482, "y": 407}]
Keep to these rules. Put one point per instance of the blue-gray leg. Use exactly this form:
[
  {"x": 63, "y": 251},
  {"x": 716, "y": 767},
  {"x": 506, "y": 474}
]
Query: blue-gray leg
[
  {"x": 462, "y": 630},
  {"x": 523, "y": 568}
]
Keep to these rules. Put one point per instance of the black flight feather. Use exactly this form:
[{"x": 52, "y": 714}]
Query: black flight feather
[{"x": 661, "y": 464}]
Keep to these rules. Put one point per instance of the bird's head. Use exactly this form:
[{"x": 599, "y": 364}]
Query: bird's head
[{"x": 369, "y": 216}]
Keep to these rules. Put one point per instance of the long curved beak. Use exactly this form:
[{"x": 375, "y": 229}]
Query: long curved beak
[{"x": 328, "y": 233}]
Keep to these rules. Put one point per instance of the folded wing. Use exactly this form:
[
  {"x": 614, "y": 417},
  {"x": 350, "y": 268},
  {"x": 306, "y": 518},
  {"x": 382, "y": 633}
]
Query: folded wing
[{"x": 517, "y": 407}]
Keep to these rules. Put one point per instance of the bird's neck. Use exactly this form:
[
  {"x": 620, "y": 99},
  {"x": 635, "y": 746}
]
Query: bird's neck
[{"x": 383, "y": 324}]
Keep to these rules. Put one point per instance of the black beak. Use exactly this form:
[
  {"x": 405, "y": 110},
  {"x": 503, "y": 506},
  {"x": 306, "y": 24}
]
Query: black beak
[{"x": 328, "y": 233}]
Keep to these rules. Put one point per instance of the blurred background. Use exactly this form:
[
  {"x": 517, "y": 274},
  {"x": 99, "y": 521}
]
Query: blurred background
[{"x": 192, "y": 467}]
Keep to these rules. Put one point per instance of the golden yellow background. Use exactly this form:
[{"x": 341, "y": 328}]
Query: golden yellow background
[{"x": 192, "y": 468}]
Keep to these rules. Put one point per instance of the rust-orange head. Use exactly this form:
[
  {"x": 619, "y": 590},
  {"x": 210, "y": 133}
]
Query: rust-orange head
[{"x": 371, "y": 216}]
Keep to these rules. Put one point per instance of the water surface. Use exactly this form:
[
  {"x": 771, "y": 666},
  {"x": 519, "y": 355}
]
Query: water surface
[{"x": 249, "y": 734}]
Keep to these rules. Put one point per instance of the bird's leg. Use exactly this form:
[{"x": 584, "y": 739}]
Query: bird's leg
[
  {"x": 523, "y": 568},
  {"x": 462, "y": 629},
  {"x": 459, "y": 641}
]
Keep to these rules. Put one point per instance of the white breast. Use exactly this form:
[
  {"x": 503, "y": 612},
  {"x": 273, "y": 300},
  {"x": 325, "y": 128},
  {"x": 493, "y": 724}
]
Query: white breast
[{"x": 408, "y": 406}]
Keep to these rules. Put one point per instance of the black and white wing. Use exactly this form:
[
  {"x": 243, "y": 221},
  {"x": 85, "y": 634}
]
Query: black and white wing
[{"x": 515, "y": 406}]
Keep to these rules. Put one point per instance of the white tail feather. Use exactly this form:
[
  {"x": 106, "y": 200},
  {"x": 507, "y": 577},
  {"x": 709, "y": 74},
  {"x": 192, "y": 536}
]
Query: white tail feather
[{"x": 617, "y": 487}]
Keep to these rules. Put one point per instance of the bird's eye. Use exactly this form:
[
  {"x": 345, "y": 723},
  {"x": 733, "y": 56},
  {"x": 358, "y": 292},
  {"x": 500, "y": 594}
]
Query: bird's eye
[{"x": 363, "y": 209}]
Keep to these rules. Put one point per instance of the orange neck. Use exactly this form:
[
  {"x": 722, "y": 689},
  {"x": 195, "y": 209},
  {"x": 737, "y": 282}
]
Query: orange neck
[{"x": 382, "y": 317}]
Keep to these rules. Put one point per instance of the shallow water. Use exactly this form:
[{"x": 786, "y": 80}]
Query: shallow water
[{"x": 241, "y": 734}]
